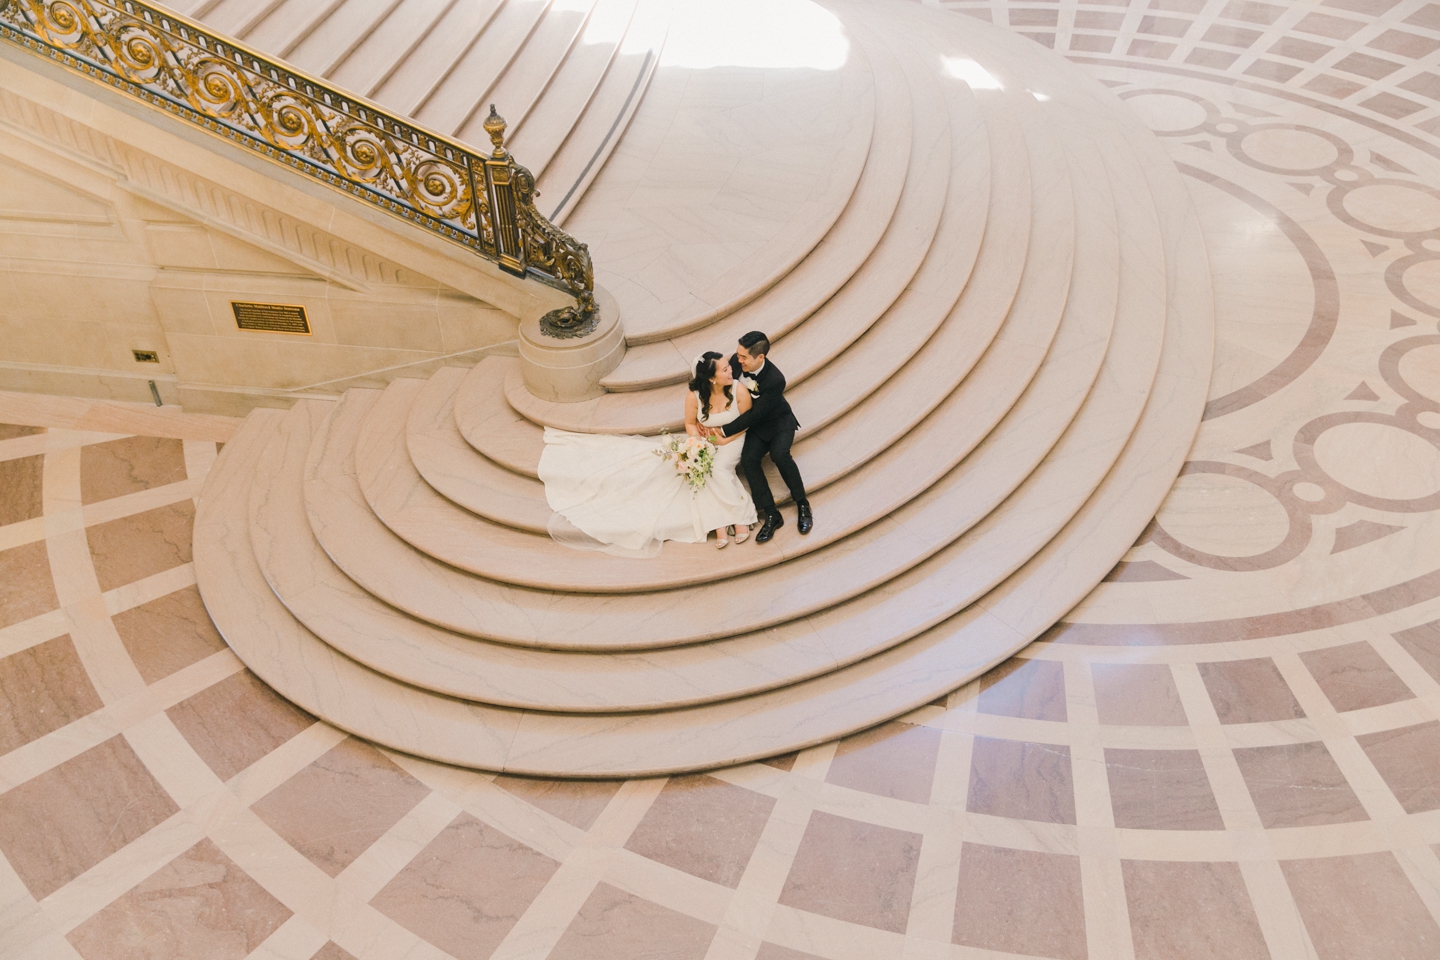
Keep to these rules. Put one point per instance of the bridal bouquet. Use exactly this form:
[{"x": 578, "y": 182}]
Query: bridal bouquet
[{"x": 692, "y": 457}]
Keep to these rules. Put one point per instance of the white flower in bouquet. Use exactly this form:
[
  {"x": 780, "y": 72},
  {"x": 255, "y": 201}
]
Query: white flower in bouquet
[{"x": 692, "y": 457}]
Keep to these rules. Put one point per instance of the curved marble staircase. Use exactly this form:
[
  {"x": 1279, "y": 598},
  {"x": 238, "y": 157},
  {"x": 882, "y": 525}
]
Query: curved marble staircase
[
  {"x": 998, "y": 344},
  {"x": 568, "y": 74}
]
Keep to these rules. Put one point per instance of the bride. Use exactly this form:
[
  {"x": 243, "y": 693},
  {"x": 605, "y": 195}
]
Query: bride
[{"x": 616, "y": 494}]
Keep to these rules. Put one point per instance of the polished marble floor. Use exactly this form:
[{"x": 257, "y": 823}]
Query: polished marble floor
[{"x": 1230, "y": 750}]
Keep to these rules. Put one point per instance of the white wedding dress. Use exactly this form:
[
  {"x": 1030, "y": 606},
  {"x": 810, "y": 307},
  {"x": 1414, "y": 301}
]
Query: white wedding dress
[{"x": 614, "y": 493}]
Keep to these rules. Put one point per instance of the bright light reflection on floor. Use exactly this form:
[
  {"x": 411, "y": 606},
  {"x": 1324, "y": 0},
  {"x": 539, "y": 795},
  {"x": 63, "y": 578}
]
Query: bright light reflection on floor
[
  {"x": 974, "y": 75},
  {"x": 755, "y": 33}
]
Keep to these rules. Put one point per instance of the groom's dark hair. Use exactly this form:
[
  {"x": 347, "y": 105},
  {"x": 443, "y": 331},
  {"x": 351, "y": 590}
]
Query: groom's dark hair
[{"x": 756, "y": 343}]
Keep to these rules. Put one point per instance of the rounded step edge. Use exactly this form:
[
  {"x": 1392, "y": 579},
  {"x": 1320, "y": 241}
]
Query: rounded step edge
[
  {"x": 322, "y": 681},
  {"x": 458, "y": 472},
  {"x": 469, "y": 543},
  {"x": 882, "y": 117},
  {"x": 791, "y": 307}
]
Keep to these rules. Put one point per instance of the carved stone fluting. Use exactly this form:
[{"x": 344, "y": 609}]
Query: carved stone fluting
[{"x": 172, "y": 63}]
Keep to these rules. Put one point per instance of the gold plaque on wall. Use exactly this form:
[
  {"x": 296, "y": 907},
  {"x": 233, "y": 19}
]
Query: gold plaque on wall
[{"x": 271, "y": 317}]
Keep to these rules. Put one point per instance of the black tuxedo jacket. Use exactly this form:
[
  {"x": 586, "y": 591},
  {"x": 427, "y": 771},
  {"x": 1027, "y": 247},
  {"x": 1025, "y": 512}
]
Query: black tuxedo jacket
[{"x": 769, "y": 411}]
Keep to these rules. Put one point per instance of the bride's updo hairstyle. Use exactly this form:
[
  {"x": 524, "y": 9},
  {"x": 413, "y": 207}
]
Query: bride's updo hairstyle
[{"x": 700, "y": 382}]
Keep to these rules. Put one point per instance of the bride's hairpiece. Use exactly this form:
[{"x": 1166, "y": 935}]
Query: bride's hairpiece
[{"x": 700, "y": 358}]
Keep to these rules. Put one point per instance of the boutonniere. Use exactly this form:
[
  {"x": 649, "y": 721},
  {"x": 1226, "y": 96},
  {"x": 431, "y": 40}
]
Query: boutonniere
[{"x": 751, "y": 385}]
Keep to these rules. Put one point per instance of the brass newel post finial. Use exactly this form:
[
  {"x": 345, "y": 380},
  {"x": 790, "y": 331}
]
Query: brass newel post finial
[{"x": 495, "y": 126}]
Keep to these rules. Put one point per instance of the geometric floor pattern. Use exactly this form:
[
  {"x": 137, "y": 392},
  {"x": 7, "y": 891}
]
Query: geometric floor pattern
[{"x": 1230, "y": 750}]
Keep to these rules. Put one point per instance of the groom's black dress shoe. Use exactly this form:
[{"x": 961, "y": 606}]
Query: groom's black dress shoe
[
  {"x": 773, "y": 522},
  {"x": 807, "y": 519}
]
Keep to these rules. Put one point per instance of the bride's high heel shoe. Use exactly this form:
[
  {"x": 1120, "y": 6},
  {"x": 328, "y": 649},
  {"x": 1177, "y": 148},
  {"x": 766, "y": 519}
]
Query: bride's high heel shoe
[
  {"x": 721, "y": 544},
  {"x": 742, "y": 537}
]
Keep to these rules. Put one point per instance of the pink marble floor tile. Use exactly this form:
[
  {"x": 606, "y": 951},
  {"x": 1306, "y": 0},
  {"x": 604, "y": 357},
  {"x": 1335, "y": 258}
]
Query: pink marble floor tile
[
  {"x": 1391, "y": 105},
  {"x": 1252, "y": 11},
  {"x": 1423, "y": 643},
  {"x": 1361, "y": 907},
  {"x": 1405, "y": 44},
  {"x": 1331, "y": 86},
  {"x": 168, "y": 633},
  {"x": 1020, "y": 901},
  {"x": 856, "y": 871},
  {"x": 141, "y": 545},
  {"x": 1324, "y": 25},
  {"x": 1137, "y": 694},
  {"x": 1354, "y": 676},
  {"x": 60, "y": 824},
  {"x": 466, "y": 889},
  {"x": 615, "y": 925},
  {"x": 1091, "y": 43},
  {"x": 1214, "y": 59},
  {"x": 1362, "y": 64},
  {"x": 893, "y": 760},
  {"x": 9, "y": 431},
  {"x": 1373, "y": 8},
  {"x": 577, "y": 802},
  {"x": 773, "y": 951},
  {"x": 1249, "y": 691},
  {"x": 20, "y": 489},
  {"x": 1191, "y": 911},
  {"x": 1409, "y": 761},
  {"x": 332, "y": 951},
  {"x": 236, "y": 722},
  {"x": 1297, "y": 49},
  {"x": 1272, "y": 70},
  {"x": 703, "y": 826},
  {"x": 199, "y": 906},
  {"x": 1033, "y": 689},
  {"x": 42, "y": 689},
  {"x": 338, "y": 806},
  {"x": 1025, "y": 781},
  {"x": 1229, "y": 36},
  {"x": 130, "y": 465},
  {"x": 1297, "y": 785},
  {"x": 1161, "y": 790},
  {"x": 26, "y": 589},
  {"x": 1425, "y": 84},
  {"x": 786, "y": 761}
]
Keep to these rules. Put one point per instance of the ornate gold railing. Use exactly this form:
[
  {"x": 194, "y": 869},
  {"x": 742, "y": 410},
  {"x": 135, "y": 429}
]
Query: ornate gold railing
[{"x": 171, "y": 62}]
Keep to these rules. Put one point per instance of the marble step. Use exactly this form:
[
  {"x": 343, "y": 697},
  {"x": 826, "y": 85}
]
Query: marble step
[
  {"x": 568, "y": 141},
  {"x": 544, "y": 747},
  {"x": 534, "y": 66},
  {"x": 658, "y": 357},
  {"x": 1003, "y": 581},
  {"x": 452, "y": 467},
  {"x": 865, "y": 112},
  {"x": 917, "y": 470},
  {"x": 440, "y": 455},
  {"x": 289, "y": 24},
  {"x": 331, "y": 43},
  {"x": 438, "y": 52},
  {"x": 790, "y": 311},
  {"x": 445, "y": 660},
  {"x": 883, "y": 314},
  {"x": 549, "y": 119},
  {"x": 469, "y": 84},
  {"x": 390, "y": 44}
]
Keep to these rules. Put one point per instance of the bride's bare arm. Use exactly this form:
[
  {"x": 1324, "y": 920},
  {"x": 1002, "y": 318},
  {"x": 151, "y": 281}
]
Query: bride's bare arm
[
  {"x": 692, "y": 414},
  {"x": 743, "y": 398}
]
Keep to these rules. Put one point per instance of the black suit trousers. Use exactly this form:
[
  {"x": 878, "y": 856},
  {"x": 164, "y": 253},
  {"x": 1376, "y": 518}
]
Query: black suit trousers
[{"x": 752, "y": 456}]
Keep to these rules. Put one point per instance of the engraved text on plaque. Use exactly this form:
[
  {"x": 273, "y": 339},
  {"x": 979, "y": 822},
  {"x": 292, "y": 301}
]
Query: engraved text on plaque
[{"x": 270, "y": 317}]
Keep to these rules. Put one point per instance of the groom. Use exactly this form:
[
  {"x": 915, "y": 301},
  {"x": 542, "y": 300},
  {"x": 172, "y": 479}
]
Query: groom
[{"x": 771, "y": 427}]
